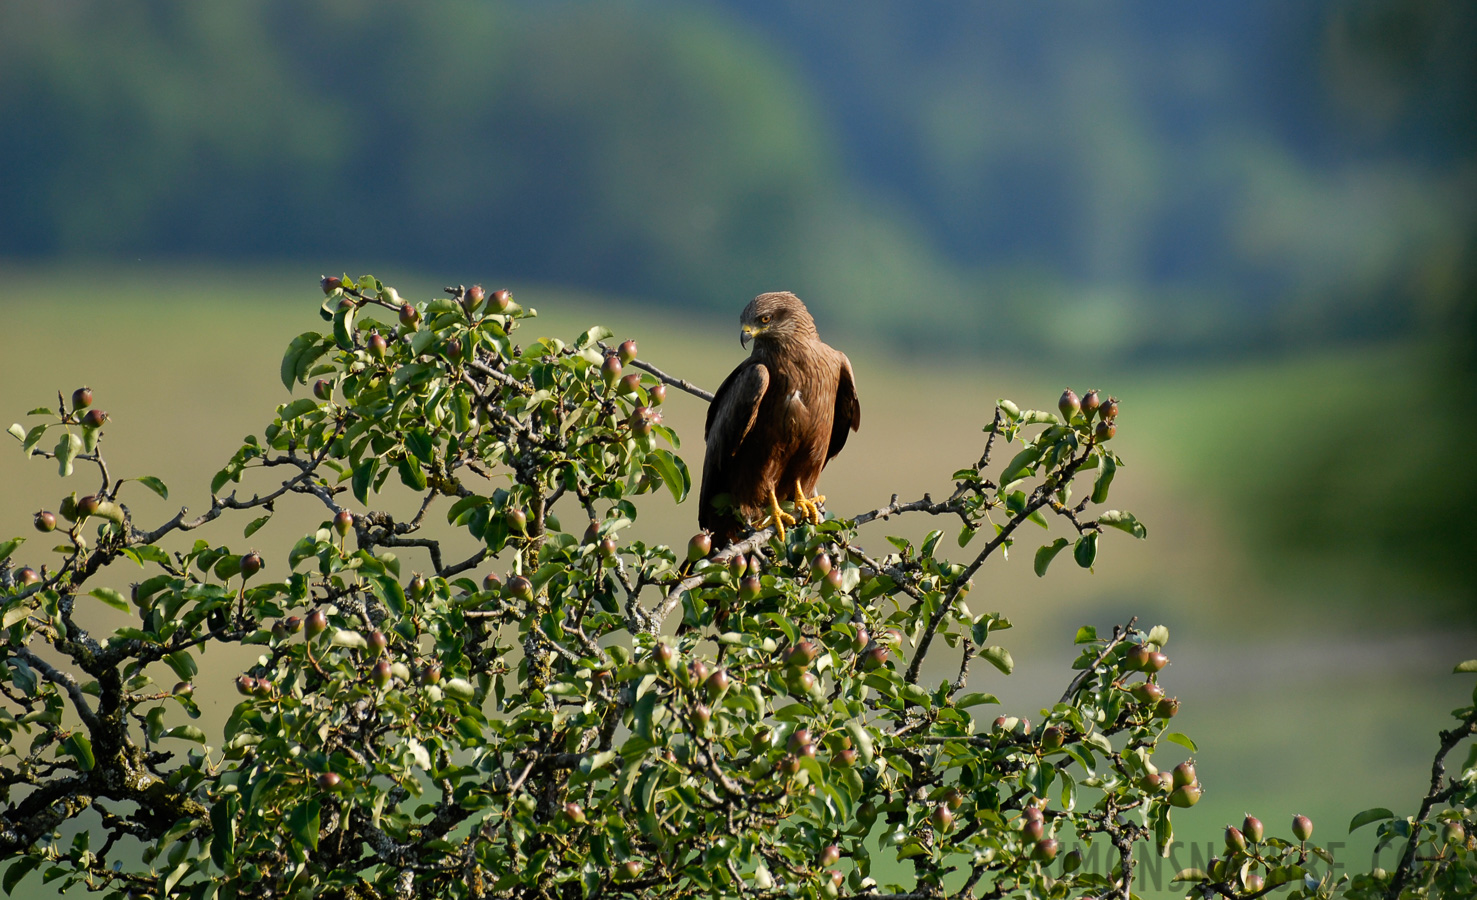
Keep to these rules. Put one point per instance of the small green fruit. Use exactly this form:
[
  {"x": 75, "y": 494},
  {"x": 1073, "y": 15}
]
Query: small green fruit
[
  {"x": 377, "y": 345},
  {"x": 607, "y": 548},
  {"x": 801, "y": 655},
  {"x": 517, "y": 520},
  {"x": 323, "y": 390},
  {"x": 475, "y": 295},
  {"x": 716, "y": 684},
  {"x": 844, "y": 758},
  {"x": 1069, "y": 404},
  {"x": 1185, "y": 796},
  {"x": 410, "y": 317},
  {"x": 1046, "y": 850},
  {"x": 183, "y": 689},
  {"x": 377, "y": 641},
  {"x": 88, "y": 506},
  {"x": 665, "y": 656},
  {"x": 343, "y": 522},
  {"x": 1302, "y": 827},
  {"x": 831, "y": 583},
  {"x": 1147, "y": 692},
  {"x": 1071, "y": 862},
  {"x": 316, "y": 623},
  {"x": 574, "y": 813},
  {"x": 657, "y": 394},
  {"x": 1251, "y": 827},
  {"x": 750, "y": 588},
  {"x": 821, "y": 565},
  {"x": 431, "y": 674},
  {"x": 1166, "y": 708},
  {"x": 629, "y": 385},
  {"x": 501, "y": 300},
  {"x": 1052, "y": 738},
  {"x": 329, "y": 781},
  {"x": 611, "y": 369},
  {"x": 1235, "y": 840},
  {"x": 627, "y": 351},
  {"x": 874, "y": 658},
  {"x": 520, "y": 587},
  {"x": 830, "y": 855},
  {"x": 1184, "y": 774},
  {"x": 941, "y": 818},
  {"x": 380, "y": 674},
  {"x": 1033, "y": 829}
]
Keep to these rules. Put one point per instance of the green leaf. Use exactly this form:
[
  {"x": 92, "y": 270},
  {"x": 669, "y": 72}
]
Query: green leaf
[
  {"x": 1182, "y": 740},
  {"x": 364, "y": 477},
  {"x": 1370, "y": 815},
  {"x": 998, "y": 657},
  {"x": 1086, "y": 550},
  {"x": 1046, "y": 553},
  {"x": 862, "y": 739},
  {"x": 673, "y": 471},
  {"x": 8, "y": 547},
  {"x": 18, "y": 430},
  {"x": 66, "y": 451},
  {"x": 295, "y": 350},
  {"x": 81, "y": 749},
  {"x": 1468, "y": 666},
  {"x": 1159, "y": 636},
  {"x": 33, "y": 437},
  {"x": 303, "y": 823},
  {"x": 14, "y": 614},
  {"x": 419, "y": 442},
  {"x": 154, "y": 484},
  {"x": 186, "y": 732},
  {"x": 1085, "y": 635},
  {"x": 1019, "y": 467},
  {"x": 111, "y": 597},
  {"x": 1104, "y": 479},
  {"x": 411, "y": 473},
  {"x": 975, "y": 699},
  {"x": 223, "y": 839},
  {"x": 1196, "y": 875},
  {"x": 597, "y": 333},
  {"x": 19, "y": 870},
  {"x": 343, "y": 326},
  {"x": 1123, "y": 521},
  {"x": 289, "y": 411},
  {"x": 255, "y": 525}
]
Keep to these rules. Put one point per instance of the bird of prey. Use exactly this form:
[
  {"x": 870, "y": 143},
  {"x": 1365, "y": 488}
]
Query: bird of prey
[{"x": 775, "y": 422}]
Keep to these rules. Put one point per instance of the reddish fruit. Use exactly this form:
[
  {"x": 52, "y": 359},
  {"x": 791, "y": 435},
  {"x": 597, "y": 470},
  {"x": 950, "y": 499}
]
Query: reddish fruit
[
  {"x": 1023, "y": 727},
  {"x": 1156, "y": 662},
  {"x": 377, "y": 641},
  {"x": 1454, "y": 834},
  {"x": 657, "y": 393},
  {"x": 627, "y": 351},
  {"x": 701, "y": 715},
  {"x": 1185, "y": 796},
  {"x": 716, "y": 684},
  {"x": 475, "y": 295},
  {"x": 251, "y": 564},
  {"x": 1149, "y": 782},
  {"x": 1302, "y": 827},
  {"x": 831, "y": 584},
  {"x": 1147, "y": 692},
  {"x": 829, "y": 856},
  {"x": 798, "y": 737},
  {"x": 1046, "y": 850},
  {"x": 953, "y": 798},
  {"x": 1184, "y": 774},
  {"x": 631, "y": 869},
  {"x": 1235, "y": 840},
  {"x": 665, "y": 656},
  {"x": 750, "y": 588},
  {"x": 1166, "y": 708},
  {"x": 323, "y": 390},
  {"x": 1166, "y": 781},
  {"x": 501, "y": 300},
  {"x": 836, "y": 878},
  {"x": 789, "y": 764},
  {"x": 574, "y": 813},
  {"x": 329, "y": 780},
  {"x": 1251, "y": 826},
  {"x": 862, "y": 638},
  {"x": 245, "y": 685},
  {"x": 801, "y": 655},
  {"x": 700, "y": 546},
  {"x": 1069, "y": 404},
  {"x": 380, "y": 674},
  {"x": 517, "y": 520},
  {"x": 1137, "y": 658},
  {"x": 874, "y": 658},
  {"x": 343, "y": 522},
  {"x": 611, "y": 369},
  {"x": 630, "y": 384},
  {"x": 941, "y": 818},
  {"x": 377, "y": 345},
  {"x": 490, "y": 582},
  {"x": 641, "y": 421},
  {"x": 1033, "y": 829},
  {"x": 431, "y": 674},
  {"x": 94, "y": 418},
  {"x": 845, "y": 758},
  {"x": 316, "y": 623},
  {"x": 330, "y": 283},
  {"x": 88, "y": 506},
  {"x": 45, "y": 521},
  {"x": 1105, "y": 431},
  {"x": 1090, "y": 404},
  {"x": 183, "y": 689},
  {"x": 409, "y": 316},
  {"x": 804, "y": 683},
  {"x": 1253, "y": 882},
  {"x": 453, "y": 349},
  {"x": 607, "y": 548},
  {"x": 520, "y": 587},
  {"x": 1109, "y": 409},
  {"x": 999, "y": 724},
  {"x": 820, "y": 565},
  {"x": 697, "y": 671},
  {"x": 81, "y": 398},
  {"x": 1052, "y": 738},
  {"x": 417, "y": 586}
]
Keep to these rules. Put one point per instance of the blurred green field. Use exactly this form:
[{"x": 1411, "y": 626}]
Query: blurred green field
[{"x": 1304, "y": 696}]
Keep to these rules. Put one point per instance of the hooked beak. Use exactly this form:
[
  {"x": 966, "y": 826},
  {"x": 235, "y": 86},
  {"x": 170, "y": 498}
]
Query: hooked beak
[{"x": 746, "y": 334}]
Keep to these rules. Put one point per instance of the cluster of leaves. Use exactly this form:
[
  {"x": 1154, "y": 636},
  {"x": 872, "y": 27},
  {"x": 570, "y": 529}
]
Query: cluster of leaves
[{"x": 557, "y": 711}]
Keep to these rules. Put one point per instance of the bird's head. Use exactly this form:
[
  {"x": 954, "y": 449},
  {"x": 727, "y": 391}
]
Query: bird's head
[{"x": 778, "y": 317}]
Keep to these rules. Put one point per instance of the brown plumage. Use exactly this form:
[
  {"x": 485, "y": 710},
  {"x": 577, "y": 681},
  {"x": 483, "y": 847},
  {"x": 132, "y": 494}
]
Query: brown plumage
[{"x": 776, "y": 420}]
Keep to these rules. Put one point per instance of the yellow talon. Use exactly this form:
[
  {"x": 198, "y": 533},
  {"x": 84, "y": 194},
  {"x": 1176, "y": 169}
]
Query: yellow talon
[
  {"x": 777, "y": 517},
  {"x": 810, "y": 508}
]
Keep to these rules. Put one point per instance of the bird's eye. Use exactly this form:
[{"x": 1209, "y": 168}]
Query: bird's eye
[{"x": 764, "y": 320}]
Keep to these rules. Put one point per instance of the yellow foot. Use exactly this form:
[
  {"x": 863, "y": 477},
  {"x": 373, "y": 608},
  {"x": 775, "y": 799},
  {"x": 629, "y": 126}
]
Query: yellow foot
[
  {"x": 809, "y": 508},
  {"x": 777, "y": 517}
]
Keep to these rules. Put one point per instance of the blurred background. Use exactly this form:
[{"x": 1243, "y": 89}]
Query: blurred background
[{"x": 1251, "y": 221}]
